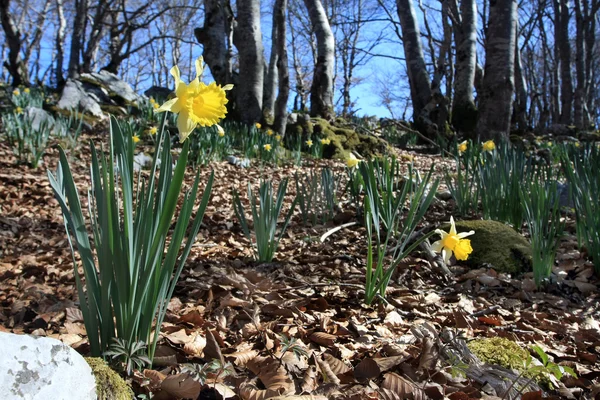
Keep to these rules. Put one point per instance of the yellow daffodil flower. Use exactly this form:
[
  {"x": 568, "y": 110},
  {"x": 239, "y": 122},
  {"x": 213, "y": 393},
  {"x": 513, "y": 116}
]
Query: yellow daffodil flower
[
  {"x": 196, "y": 103},
  {"x": 489, "y": 145},
  {"x": 267, "y": 147},
  {"x": 278, "y": 138},
  {"x": 325, "y": 141},
  {"x": 220, "y": 130},
  {"x": 19, "y": 110},
  {"x": 16, "y": 92},
  {"x": 462, "y": 147},
  {"x": 153, "y": 130},
  {"x": 452, "y": 242},
  {"x": 26, "y": 90},
  {"x": 309, "y": 143},
  {"x": 352, "y": 161},
  {"x": 257, "y": 125},
  {"x": 269, "y": 132},
  {"x": 152, "y": 101},
  {"x": 135, "y": 139},
  {"x": 577, "y": 144}
]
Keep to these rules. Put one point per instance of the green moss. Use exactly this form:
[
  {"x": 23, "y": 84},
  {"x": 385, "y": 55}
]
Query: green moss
[
  {"x": 345, "y": 140},
  {"x": 497, "y": 244},
  {"x": 87, "y": 118},
  {"x": 114, "y": 110},
  {"x": 499, "y": 351},
  {"x": 109, "y": 384}
]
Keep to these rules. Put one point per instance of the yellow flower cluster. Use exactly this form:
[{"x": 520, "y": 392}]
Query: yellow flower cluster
[
  {"x": 488, "y": 146},
  {"x": 153, "y": 130},
  {"x": 352, "y": 161},
  {"x": 309, "y": 143},
  {"x": 267, "y": 147},
  {"x": 462, "y": 147},
  {"x": 196, "y": 103},
  {"x": 135, "y": 139},
  {"x": 325, "y": 141}
]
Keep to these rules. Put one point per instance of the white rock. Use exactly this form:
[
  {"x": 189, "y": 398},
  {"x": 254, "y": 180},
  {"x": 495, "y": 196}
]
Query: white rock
[{"x": 33, "y": 368}]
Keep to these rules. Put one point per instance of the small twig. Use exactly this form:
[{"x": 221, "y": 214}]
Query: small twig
[
  {"x": 334, "y": 230},
  {"x": 400, "y": 125},
  {"x": 488, "y": 310}
]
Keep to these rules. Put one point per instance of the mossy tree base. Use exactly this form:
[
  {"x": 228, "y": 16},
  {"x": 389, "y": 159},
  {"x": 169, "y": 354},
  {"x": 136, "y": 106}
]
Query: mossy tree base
[
  {"x": 343, "y": 140},
  {"x": 109, "y": 384}
]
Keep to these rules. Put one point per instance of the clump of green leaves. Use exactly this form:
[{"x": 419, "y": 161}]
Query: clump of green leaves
[
  {"x": 134, "y": 261},
  {"x": 129, "y": 355},
  {"x": 27, "y": 142},
  {"x": 464, "y": 185},
  {"x": 581, "y": 168},
  {"x": 416, "y": 195},
  {"x": 540, "y": 201},
  {"x": 316, "y": 196},
  {"x": 265, "y": 211}
]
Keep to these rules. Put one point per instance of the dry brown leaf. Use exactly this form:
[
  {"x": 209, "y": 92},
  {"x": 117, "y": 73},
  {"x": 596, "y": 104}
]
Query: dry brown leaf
[
  {"x": 299, "y": 397},
  {"x": 232, "y": 301},
  {"x": 429, "y": 354},
  {"x": 212, "y": 350},
  {"x": 370, "y": 368},
  {"x": 402, "y": 387},
  {"x": 181, "y": 386},
  {"x": 164, "y": 356},
  {"x": 330, "y": 376},
  {"x": 241, "y": 358},
  {"x": 310, "y": 381},
  {"x": 337, "y": 366},
  {"x": 195, "y": 346},
  {"x": 387, "y": 394},
  {"x": 155, "y": 378},
  {"x": 178, "y": 337},
  {"x": 225, "y": 391},
  {"x": 322, "y": 338}
]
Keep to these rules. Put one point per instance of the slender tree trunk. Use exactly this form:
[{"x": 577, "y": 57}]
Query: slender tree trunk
[
  {"x": 464, "y": 112},
  {"x": 96, "y": 34},
  {"x": 81, "y": 7},
  {"x": 418, "y": 77},
  {"x": 520, "y": 107},
  {"x": 299, "y": 99},
  {"x": 321, "y": 92},
  {"x": 248, "y": 40},
  {"x": 213, "y": 36},
  {"x": 15, "y": 64},
  {"x": 270, "y": 88},
  {"x": 60, "y": 40},
  {"x": 282, "y": 67},
  {"x": 498, "y": 79},
  {"x": 561, "y": 33}
]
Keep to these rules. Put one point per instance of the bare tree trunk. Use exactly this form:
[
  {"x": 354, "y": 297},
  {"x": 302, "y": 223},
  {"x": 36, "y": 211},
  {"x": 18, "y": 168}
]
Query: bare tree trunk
[
  {"x": 60, "y": 40},
  {"x": 498, "y": 79},
  {"x": 15, "y": 64},
  {"x": 561, "y": 34},
  {"x": 271, "y": 77},
  {"x": 213, "y": 37},
  {"x": 418, "y": 77},
  {"x": 299, "y": 100},
  {"x": 520, "y": 106},
  {"x": 99, "y": 22},
  {"x": 282, "y": 67},
  {"x": 321, "y": 93},
  {"x": 248, "y": 40},
  {"x": 464, "y": 112},
  {"x": 81, "y": 7}
]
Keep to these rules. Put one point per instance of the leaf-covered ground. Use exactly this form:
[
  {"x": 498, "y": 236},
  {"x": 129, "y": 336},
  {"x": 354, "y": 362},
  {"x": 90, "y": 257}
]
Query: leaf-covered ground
[{"x": 243, "y": 315}]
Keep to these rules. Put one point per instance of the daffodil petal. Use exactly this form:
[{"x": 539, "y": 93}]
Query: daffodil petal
[
  {"x": 446, "y": 254},
  {"x": 437, "y": 246},
  {"x": 227, "y": 87},
  {"x": 175, "y": 73},
  {"x": 167, "y": 106},
  {"x": 452, "y": 226},
  {"x": 465, "y": 234},
  {"x": 185, "y": 125},
  {"x": 199, "y": 68}
]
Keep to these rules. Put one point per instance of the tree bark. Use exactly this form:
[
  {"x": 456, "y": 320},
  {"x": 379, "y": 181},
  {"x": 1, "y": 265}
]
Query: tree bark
[
  {"x": 561, "y": 34},
  {"x": 321, "y": 92},
  {"x": 520, "y": 106},
  {"x": 81, "y": 7},
  {"x": 464, "y": 112},
  {"x": 248, "y": 40},
  {"x": 271, "y": 78},
  {"x": 498, "y": 78},
  {"x": 59, "y": 43},
  {"x": 418, "y": 77},
  {"x": 282, "y": 68},
  {"x": 15, "y": 64}
]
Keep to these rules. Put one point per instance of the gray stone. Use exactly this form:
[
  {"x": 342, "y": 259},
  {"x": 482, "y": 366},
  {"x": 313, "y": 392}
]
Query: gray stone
[
  {"x": 238, "y": 162},
  {"x": 39, "y": 117},
  {"x": 444, "y": 195},
  {"x": 43, "y": 368},
  {"x": 292, "y": 118},
  {"x": 115, "y": 86},
  {"x": 75, "y": 97},
  {"x": 158, "y": 92}
]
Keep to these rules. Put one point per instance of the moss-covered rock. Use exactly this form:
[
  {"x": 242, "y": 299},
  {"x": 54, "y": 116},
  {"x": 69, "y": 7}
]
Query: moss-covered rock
[
  {"x": 109, "y": 384},
  {"x": 346, "y": 140},
  {"x": 497, "y": 244}
]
